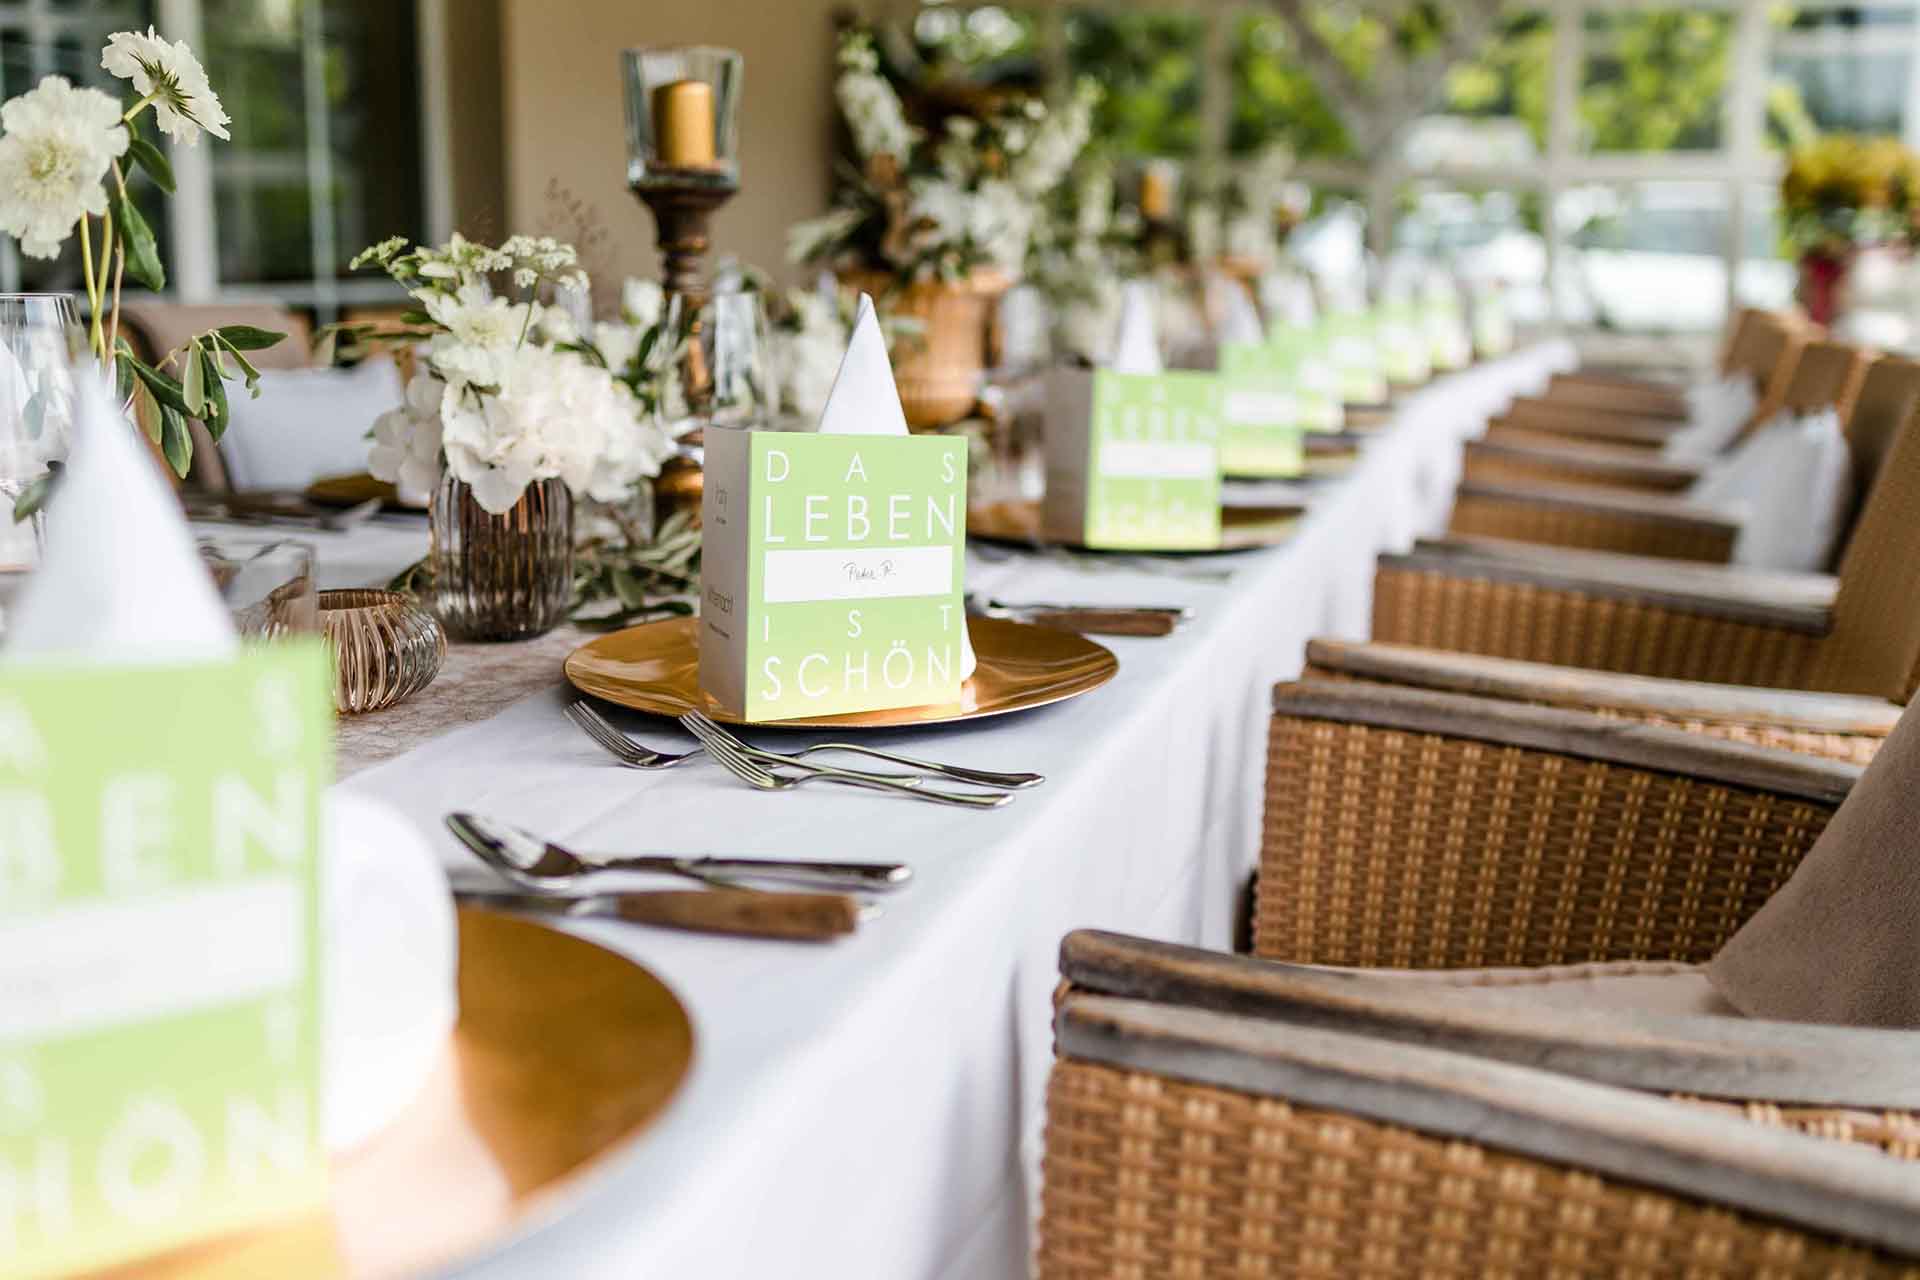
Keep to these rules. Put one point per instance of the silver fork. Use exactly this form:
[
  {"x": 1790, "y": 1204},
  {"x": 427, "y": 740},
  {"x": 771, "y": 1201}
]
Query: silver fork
[
  {"x": 958, "y": 773},
  {"x": 635, "y": 756},
  {"x": 726, "y": 752}
]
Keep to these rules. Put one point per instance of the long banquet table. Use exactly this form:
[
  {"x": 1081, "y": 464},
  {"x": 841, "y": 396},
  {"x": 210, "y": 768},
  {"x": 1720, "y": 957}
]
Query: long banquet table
[{"x": 873, "y": 1107}]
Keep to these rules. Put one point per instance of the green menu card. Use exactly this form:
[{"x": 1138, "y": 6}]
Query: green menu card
[
  {"x": 1353, "y": 348},
  {"x": 831, "y": 571},
  {"x": 1404, "y": 348},
  {"x": 159, "y": 953},
  {"x": 1133, "y": 459},
  {"x": 1260, "y": 411}
]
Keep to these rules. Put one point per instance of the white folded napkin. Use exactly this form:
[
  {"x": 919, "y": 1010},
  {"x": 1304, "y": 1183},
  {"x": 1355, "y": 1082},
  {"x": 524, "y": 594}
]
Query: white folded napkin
[
  {"x": 1239, "y": 322},
  {"x": 1136, "y": 343},
  {"x": 1288, "y": 298},
  {"x": 1791, "y": 482},
  {"x": 866, "y": 402},
  {"x": 121, "y": 580},
  {"x": 123, "y": 583}
]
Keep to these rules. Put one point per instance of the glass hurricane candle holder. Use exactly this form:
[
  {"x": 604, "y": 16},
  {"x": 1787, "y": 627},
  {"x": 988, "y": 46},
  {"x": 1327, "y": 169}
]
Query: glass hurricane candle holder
[
  {"x": 683, "y": 137},
  {"x": 385, "y": 648}
]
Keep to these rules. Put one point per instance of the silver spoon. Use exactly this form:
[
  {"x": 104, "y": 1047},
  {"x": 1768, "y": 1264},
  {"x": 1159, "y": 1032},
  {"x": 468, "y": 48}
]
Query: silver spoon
[{"x": 545, "y": 867}]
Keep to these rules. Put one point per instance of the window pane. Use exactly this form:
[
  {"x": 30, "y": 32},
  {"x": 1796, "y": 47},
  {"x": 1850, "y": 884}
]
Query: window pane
[
  {"x": 1647, "y": 256},
  {"x": 1764, "y": 277},
  {"x": 373, "y": 114},
  {"x": 1842, "y": 70},
  {"x": 1149, "y": 63},
  {"x": 255, "y": 60},
  {"x": 1655, "y": 79},
  {"x": 298, "y": 193}
]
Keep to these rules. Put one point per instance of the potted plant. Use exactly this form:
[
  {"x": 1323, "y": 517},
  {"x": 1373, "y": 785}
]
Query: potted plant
[
  {"x": 1841, "y": 196},
  {"x": 938, "y": 223}
]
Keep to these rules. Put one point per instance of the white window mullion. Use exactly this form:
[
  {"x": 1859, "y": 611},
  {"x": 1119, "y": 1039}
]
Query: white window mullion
[
  {"x": 1563, "y": 123},
  {"x": 194, "y": 267},
  {"x": 436, "y": 117},
  {"x": 320, "y": 224},
  {"x": 1746, "y": 131}
]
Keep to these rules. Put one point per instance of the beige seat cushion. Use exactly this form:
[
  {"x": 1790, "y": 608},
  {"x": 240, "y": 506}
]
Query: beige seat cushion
[{"x": 1623, "y": 986}]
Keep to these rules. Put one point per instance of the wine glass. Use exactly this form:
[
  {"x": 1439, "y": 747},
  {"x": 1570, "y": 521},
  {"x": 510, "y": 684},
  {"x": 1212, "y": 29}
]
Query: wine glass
[
  {"x": 40, "y": 342},
  {"x": 714, "y": 364}
]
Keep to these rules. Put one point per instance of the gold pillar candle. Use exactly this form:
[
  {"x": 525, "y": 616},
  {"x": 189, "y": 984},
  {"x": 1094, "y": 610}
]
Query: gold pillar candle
[
  {"x": 683, "y": 125},
  {"x": 1156, "y": 195}
]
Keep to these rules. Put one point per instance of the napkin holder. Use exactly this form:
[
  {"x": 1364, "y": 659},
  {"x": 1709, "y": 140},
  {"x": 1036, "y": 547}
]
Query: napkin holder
[
  {"x": 160, "y": 1056},
  {"x": 1133, "y": 459},
  {"x": 831, "y": 571}
]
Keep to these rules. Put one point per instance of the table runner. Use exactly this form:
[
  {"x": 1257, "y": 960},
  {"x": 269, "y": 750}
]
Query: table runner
[{"x": 872, "y": 1107}]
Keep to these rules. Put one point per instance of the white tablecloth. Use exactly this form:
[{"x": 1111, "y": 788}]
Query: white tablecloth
[{"x": 872, "y": 1107}]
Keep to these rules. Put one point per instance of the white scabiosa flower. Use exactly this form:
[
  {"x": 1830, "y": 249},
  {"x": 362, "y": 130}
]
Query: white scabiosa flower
[
  {"x": 183, "y": 102},
  {"x": 58, "y": 144}
]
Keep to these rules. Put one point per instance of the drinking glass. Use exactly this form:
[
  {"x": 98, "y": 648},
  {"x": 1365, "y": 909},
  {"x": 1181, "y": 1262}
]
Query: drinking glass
[
  {"x": 267, "y": 584},
  {"x": 40, "y": 339},
  {"x": 714, "y": 364}
]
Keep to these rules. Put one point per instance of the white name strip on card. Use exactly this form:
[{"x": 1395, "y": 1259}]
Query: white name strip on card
[
  {"x": 1155, "y": 461},
  {"x": 866, "y": 573},
  {"x": 79, "y": 967}
]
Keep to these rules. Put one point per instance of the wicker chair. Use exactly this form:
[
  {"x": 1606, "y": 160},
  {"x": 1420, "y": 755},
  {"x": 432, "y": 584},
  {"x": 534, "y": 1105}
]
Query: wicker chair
[
  {"x": 1301, "y": 1142},
  {"x": 1837, "y": 726},
  {"x": 1855, "y": 633},
  {"x": 1655, "y": 397},
  {"x": 1219, "y": 1116},
  {"x": 1766, "y": 350},
  {"x": 1569, "y": 446},
  {"x": 1873, "y": 396}
]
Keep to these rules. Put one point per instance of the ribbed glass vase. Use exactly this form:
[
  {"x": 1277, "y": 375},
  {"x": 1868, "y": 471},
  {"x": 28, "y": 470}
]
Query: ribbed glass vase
[
  {"x": 501, "y": 577},
  {"x": 385, "y": 648}
]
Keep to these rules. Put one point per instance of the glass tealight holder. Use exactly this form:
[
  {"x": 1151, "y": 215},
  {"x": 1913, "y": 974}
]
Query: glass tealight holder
[
  {"x": 267, "y": 584},
  {"x": 683, "y": 117},
  {"x": 385, "y": 648}
]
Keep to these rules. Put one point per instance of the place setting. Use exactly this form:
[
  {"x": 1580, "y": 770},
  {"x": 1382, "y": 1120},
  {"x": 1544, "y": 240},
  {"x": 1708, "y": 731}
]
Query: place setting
[{"x": 923, "y": 656}]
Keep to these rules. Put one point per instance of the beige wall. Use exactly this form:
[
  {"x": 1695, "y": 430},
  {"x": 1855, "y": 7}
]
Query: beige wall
[{"x": 564, "y": 119}]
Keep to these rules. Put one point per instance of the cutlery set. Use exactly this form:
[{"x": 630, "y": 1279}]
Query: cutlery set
[{"x": 813, "y": 900}]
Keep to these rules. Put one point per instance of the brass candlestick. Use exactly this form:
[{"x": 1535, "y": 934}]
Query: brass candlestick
[
  {"x": 683, "y": 149},
  {"x": 682, "y": 212}
]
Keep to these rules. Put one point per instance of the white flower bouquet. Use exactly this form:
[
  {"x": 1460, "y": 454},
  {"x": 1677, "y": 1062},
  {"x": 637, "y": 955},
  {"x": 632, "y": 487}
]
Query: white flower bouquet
[
  {"x": 940, "y": 208},
  {"x": 65, "y": 156},
  {"x": 509, "y": 392}
]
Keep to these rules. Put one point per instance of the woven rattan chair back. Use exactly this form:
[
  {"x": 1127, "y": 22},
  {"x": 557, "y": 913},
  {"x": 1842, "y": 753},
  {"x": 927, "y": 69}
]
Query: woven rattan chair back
[
  {"x": 1826, "y": 376},
  {"x": 1735, "y": 354},
  {"x": 1887, "y": 398},
  {"x": 1768, "y": 351},
  {"x": 1875, "y": 643}
]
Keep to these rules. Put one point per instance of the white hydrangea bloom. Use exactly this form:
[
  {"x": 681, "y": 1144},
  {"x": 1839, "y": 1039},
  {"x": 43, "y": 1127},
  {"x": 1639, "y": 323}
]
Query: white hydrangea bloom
[
  {"x": 183, "y": 102},
  {"x": 554, "y": 414},
  {"x": 406, "y": 440},
  {"x": 54, "y": 156},
  {"x": 641, "y": 302}
]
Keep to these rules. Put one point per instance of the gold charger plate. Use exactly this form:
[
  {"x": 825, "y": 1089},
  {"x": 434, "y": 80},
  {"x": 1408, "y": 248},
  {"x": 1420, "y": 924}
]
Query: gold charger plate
[
  {"x": 563, "y": 1054},
  {"x": 1241, "y": 528},
  {"x": 655, "y": 667},
  {"x": 353, "y": 489}
]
